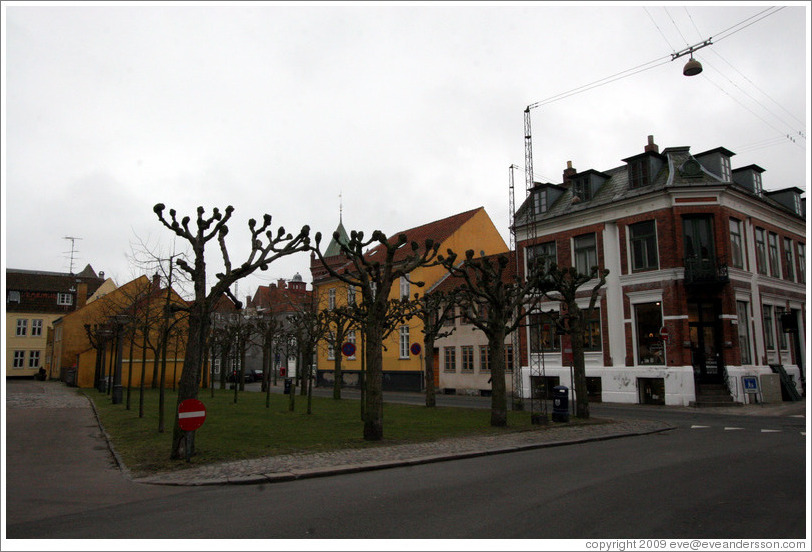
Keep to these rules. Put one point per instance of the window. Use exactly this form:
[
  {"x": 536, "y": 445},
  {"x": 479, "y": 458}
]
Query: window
[
  {"x": 19, "y": 359},
  {"x": 351, "y": 339},
  {"x": 789, "y": 261},
  {"x": 405, "y": 287},
  {"x": 592, "y": 332},
  {"x": 725, "y": 169},
  {"x": 13, "y": 297},
  {"x": 539, "y": 202},
  {"x": 761, "y": 252},
  {"x": 736, "y": 245},
  {"x": 775, "y": 269},
  {"x": 22, "y": 327},
  {"x": 581, "y": 189},
  {"x": 36, "y": 327},
  {"x": 638, "y": 173},
  {"x": 467, "y": 358},
  {"x": 757, "y": 183},
  {"x": 449, "y": 320},
  {"x": 64, "y": 299},
  {"x": 782, "y": 337},
  {"x": 404, "y": 342},
  {"x": 643, "y": 237},
  {"x": 484, "y": 359},
  {"x": 331, "y": 346},
  {"x": 543, "y": 334},
  {"x": 802, "y": 262},
  {"x": 351, "y": 295},
  {"x": 648, "y": 321},
  {"x": 545, "y": 252},
  {"x": 509, "y": 358},
  {"x": 450, "y": 359},
  {"x": 744, "y": 331},
  {"x": 331, "y": 299},
  {"x": 33, "y": 359},
  {"x": 769, "y": 333},
  {"x": 796, "y": 201},
  {"x": 586, "y": 253}
]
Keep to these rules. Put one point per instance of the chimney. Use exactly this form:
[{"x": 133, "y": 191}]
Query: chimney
[
  {"x": 156, "y": 282},
  {"x": 651, "y": 146},
  {"x": 81, "y": 295},
  {"x": 568, "y": 172},
  {"x": 281, "y": 283},
  {"x": 101, "y": 274}
]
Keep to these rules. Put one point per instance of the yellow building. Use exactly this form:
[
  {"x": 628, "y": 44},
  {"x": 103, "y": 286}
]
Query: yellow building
[
  {"x": 89, "y": 334},
  {"x": 34, "y": 299},
  {"x": 402, "y": 363}
]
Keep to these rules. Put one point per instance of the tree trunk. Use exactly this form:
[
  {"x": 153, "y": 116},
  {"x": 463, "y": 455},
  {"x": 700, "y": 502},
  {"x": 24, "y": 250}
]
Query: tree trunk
[
  {"x": 373, "y": 411},
  {"x": 496, "y": 350},
  {"x": 337, "y": 371},
  {"x": 431, "y": 399},
  {"x": 189, "y": 383}
]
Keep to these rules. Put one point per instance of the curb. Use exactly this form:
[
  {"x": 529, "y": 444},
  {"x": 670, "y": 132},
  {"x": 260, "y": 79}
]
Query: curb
[
  {"x": 119, "y": 462},
  {"x": 294, "y": 475}
]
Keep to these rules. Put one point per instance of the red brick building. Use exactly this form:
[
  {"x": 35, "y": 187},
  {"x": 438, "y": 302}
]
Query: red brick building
[{"x": 707, "y": 275}]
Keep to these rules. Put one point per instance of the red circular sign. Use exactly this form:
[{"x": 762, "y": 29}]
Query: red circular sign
[
  {"x": 191, "y": 414},
  {"x": 348, "y": 349},
  {"x": 415, "y": 348},
  {"x": 664, "y": 333}
]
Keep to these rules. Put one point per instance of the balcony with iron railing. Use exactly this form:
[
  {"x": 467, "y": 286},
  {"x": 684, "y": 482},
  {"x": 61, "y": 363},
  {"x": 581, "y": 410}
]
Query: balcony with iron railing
[{"x": 705, "y": 271}]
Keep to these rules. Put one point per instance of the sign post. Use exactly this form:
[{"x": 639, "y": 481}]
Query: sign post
[{"x": 191, "y": 415}]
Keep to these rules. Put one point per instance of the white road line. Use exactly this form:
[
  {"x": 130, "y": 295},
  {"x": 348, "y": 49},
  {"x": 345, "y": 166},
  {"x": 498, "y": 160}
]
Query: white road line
[
  {"x": 771, "y": 431},
  {"x": 733, "y": 428},
  {"x": 699, "y": 427}
]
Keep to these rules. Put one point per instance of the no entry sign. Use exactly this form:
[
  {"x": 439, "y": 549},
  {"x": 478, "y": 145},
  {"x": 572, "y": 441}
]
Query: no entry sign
[
  {"x": 664, "y": 333},
  {"x": 191, "y": 414}
]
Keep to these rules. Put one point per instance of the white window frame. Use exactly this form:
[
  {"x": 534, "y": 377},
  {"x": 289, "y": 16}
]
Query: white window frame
[
  {"x": 331, "y": 346},
  {"x": 64, "y": 299},
  {"x": 725, "y": 169},
  {"x": 404, "y": 342},
  {"x": 22, "y": 327},
  {"x": 36, "y": 327},
  {"x": 33, "y": 359},
  {"x": 405, "y": 287},
  {"x": 575, "y": 250},
  {"x": 745, "y": 324},
  {"x": 19, "y": 359}
]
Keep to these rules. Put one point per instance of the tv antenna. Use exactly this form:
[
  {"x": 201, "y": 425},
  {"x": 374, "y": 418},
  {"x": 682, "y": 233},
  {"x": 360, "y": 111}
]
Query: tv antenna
[{"x": 72, "y": 249}]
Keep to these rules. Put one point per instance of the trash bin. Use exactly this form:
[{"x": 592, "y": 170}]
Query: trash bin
[
  {"x": 561, "y": 412},
  {"x": 288, "y": 382}
]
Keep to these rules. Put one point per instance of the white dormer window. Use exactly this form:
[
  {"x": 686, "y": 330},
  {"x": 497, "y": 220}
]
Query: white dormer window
[
  {"x": 540, "y": 202},
  {"x": 725, "y": 169},
  {"x": 796, "y": 201},
  {"x": 64, "y": 299},
  {"x": 757, "y": 183},
  {"x": 13, "y": 297}
]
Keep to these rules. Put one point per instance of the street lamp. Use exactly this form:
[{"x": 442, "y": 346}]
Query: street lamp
[{"x": 693, "y": 67}]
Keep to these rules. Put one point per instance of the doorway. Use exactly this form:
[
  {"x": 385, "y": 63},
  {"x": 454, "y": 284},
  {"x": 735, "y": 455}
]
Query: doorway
[{"x": 705, "y": 334}]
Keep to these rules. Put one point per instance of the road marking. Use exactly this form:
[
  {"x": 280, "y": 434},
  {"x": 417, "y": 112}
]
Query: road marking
[
  {"x": 698, "y": 427},
  {"x": 797, "y": 416},
  {"x": 732, "y": 428},
  {"x": 771, "y": 431}
]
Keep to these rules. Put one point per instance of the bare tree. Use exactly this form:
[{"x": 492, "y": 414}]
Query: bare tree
[
  {"x": 492, "y": 298},
  {"x": 339, "y": 322},
  {"x": 564, "y": 285},
  {"x": 434, "y": 309},
  {"x": 265, "y": 248},
  {"x": 373, "y": 275}
]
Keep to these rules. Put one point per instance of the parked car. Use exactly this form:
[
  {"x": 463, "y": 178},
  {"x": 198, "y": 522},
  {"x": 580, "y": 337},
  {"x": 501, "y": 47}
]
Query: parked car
[{"x": 249, "y": 376}]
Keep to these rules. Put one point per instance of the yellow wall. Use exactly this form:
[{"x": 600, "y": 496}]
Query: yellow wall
[
  {"x": 87, "y": 367},
  {"x": 478, "y": 233},
  {"x": 28, "y": 343}
]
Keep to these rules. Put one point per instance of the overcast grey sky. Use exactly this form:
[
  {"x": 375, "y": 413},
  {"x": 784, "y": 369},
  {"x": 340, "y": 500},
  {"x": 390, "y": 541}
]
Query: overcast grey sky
[{"x": 411, "y": 112}]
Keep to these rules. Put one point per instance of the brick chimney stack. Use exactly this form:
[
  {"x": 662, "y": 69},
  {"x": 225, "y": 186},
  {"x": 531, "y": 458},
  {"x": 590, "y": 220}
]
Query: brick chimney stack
[
  {"x": 156, "y": 282},
  {"x": 651, "y": 146},
  {"x": 81, "y": 295},
  {"x": 568, "y": 173}
]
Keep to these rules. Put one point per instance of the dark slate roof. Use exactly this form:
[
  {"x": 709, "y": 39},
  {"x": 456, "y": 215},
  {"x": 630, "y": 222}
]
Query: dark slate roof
[
  {"x": 38, "y": 289},
  {"x": 616, "y": 187}
]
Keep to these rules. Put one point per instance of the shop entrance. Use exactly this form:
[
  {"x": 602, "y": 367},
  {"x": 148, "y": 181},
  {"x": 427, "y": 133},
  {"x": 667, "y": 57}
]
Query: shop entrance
[{"x": 706, "y": 352}]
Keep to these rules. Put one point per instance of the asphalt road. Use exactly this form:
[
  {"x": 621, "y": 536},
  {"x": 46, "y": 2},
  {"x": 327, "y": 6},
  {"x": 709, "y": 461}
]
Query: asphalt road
[{"x": 714, "y": 476}]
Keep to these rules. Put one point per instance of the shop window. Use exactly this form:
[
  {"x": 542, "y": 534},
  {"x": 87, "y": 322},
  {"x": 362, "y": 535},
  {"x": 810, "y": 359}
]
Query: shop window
[
  {"x": 592, "y": 331},
  {"x": 543, "y": 334},
  {"x": 649, "y": 321}
]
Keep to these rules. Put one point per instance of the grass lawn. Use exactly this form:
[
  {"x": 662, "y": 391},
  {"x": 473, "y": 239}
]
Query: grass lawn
[{"x": 249, "y": 429}]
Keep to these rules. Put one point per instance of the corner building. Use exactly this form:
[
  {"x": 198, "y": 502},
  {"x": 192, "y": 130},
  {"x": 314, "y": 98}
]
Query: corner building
[{"x": 706, "y": 283}]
